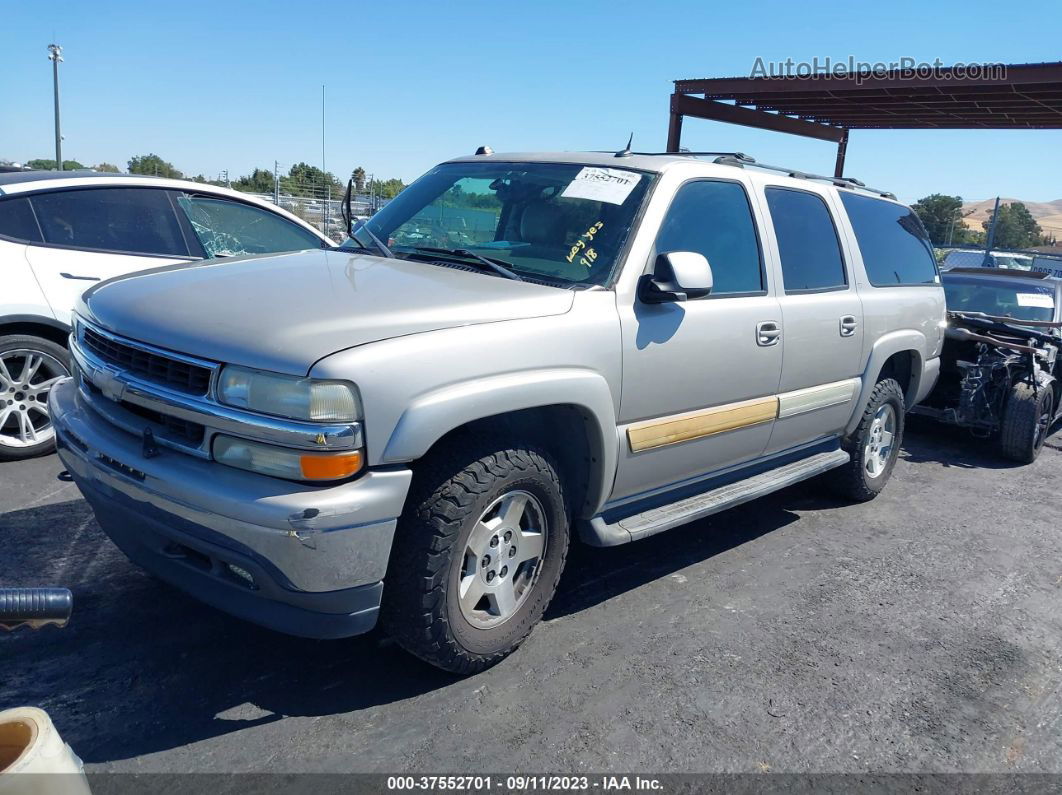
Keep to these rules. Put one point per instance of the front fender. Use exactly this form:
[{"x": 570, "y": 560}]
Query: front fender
[
  {"x": 432, "y": 415},
  {"x": 903, "y": 341}
]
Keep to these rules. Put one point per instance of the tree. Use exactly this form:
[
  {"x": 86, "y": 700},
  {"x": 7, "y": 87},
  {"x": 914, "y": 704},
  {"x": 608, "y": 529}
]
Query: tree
[
  {"x": 260, "y": 181},
  {"x": 942, "y": 217},
  {"x": 1016, "y": 227},
  {"x": 154, "y": 165},
  {"x": 49, "y": 165},
  {"x": 306, "y": 180},
  {"x": 389, "y": 188},
  {"x": 109, "y": 168},
  {"x": 358, "y": 175}
]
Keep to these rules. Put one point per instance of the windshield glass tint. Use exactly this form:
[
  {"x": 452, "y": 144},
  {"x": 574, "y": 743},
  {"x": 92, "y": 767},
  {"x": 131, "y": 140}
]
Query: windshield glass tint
[
  {"x": 554, "y": 221},
  {"x": 1020, "y": 301}
]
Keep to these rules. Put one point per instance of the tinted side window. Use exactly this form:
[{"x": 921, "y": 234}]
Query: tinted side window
[
  {"x": 714, "y": 219},
  {"x": 17, "y": 221},
  {"x": 894, "y": 245},
  {"x": 130, "y": 220},
  {"x": 228, "y": 228},
  {"x": 807, "y": 240}
]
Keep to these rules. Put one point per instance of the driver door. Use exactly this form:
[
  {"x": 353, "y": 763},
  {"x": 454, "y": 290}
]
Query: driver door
[{"x": 700, "y": 377}]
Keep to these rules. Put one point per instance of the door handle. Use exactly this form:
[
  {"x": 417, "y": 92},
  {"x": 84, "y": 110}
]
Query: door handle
[
  {"x": 848, "y": 325},
  {"x": 768, "y": 332},
  {"x": 79, "y": 278}
]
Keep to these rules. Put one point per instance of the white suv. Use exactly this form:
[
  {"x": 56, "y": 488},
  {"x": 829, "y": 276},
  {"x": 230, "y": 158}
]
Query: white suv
[{"x": 61, "y": 232}]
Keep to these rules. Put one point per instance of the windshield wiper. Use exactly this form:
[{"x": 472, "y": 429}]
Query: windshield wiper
[
  {"x": 379, "y": 244},
  {"x": 499, "y": 266}
]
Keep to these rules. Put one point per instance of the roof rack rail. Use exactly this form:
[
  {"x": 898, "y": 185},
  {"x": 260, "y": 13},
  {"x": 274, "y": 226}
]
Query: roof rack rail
[
  {"x": 686, "y": 153},
  {"x": 981, "y": 271},
  {"x": 840, "y": 182}
]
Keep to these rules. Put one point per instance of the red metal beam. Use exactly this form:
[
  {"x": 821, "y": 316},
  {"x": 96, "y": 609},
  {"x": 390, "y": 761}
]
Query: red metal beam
[
  {"x": 1016, "y": 74},
  {"x": 683, "y": 105}
]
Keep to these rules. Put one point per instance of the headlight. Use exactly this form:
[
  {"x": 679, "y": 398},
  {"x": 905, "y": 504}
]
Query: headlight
[
  {"x": 288, "y": 396},
  {"x": 283, "y": 462}
]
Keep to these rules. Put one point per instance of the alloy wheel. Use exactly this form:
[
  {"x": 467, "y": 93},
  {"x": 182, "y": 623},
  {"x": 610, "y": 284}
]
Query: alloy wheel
[
  {"x": 502, "y": 559},
  {"x": 26, "y": 378},
  {"x": 880, "y": 439}
]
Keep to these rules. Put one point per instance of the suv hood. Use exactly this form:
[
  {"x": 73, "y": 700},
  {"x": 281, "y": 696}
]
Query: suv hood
[{"x": 284, "y": 312}]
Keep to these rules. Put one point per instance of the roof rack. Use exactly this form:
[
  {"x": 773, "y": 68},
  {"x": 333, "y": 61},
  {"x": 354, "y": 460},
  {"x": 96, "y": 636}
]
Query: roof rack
[
  {"x": 840, "y": 182},
  {"x": 740, "y": 159},
  {"x": 981, "y": 271}
]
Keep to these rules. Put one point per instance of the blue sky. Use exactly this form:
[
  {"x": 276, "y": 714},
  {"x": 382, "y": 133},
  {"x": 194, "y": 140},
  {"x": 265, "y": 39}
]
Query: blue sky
[{"x": 234, "y": 85}]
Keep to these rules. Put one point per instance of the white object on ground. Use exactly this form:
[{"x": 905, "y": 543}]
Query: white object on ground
[{"x": 29, "y": 743}]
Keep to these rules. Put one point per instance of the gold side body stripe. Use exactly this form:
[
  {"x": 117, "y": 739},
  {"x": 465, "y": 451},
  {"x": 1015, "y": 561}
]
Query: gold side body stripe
[
  {"x": 662, "y": 431},
  {"x": 704, "y": 422}
]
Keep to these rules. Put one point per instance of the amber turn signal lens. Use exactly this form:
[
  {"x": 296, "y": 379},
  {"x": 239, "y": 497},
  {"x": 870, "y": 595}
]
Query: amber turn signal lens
[{"x": 330, "y": 467}]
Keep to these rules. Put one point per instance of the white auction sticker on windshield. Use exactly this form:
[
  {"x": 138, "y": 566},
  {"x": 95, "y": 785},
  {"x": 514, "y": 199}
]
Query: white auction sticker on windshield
[
  {"x": 602, "y": 184},
  {"x": 1036, "y": 299}
]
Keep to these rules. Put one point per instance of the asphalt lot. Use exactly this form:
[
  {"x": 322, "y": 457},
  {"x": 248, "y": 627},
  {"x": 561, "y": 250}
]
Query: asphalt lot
[{"x": 920, "y": 632}]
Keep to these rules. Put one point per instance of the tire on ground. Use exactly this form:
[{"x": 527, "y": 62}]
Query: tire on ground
[
  {"x": 853, "y": 481},
  {"x": 1020, "y": 436},
  {"x": 14, "y": 342},
  {"x": 450, "y": 492}
]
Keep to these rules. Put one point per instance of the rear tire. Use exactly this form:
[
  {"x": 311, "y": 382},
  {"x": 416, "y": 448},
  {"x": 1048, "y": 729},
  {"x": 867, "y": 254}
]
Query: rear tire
[
  {"x": 1026, "y": 421},
  {"x": 874, "y": 446},
  {"x": 28, "y": 368},
  {"x": 464, "y": 587}
]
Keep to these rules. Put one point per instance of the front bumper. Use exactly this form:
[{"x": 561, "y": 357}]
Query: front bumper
[{"x": 317, "y": 555}]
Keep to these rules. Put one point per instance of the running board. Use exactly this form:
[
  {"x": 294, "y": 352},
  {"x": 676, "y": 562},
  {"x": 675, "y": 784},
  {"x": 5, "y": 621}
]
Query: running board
[{"x": 657, "y": 520}]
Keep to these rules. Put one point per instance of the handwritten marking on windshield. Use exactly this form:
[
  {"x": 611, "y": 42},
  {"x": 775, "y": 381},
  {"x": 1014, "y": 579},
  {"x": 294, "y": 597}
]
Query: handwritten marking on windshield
[{"x": 582, "y": 243}]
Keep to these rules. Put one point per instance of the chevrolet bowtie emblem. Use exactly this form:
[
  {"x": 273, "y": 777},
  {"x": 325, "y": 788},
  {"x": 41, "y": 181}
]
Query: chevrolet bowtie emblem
[
  {"x": 321, "y": 439},
  {"x": 110, "y": 384}
]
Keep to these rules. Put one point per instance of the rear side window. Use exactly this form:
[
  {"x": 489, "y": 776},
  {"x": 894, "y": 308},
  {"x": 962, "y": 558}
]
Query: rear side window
[
  {"x": 228, "y": 228},
  {"x": 127, "y": 220},
  {"x": 807, "y": 241},
  {"x": 17, "y": 221},
  {"x": 715, "y": 219},
  {"x": 893, "y": 243}
]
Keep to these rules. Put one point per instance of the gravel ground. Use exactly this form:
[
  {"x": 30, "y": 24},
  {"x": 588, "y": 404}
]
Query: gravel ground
[{"x": 920, "y": 632}]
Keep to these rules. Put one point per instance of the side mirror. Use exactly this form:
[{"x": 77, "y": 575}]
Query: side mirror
[
  {"x": 677, "y": 276},
  {"x": 344, "y": 209}
]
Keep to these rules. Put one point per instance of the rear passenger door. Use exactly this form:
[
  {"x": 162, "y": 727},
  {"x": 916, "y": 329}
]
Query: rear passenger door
[
  {"x": 822, "y": 318},
  {"x": 91, "y": 234}
]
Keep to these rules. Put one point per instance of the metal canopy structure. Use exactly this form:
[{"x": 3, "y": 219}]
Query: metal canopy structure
[{"x": 1006, "y": 97}]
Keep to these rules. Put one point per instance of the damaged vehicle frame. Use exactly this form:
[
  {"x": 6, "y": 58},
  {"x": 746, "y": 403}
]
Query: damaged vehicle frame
[{"x": 1000, "y": 368}]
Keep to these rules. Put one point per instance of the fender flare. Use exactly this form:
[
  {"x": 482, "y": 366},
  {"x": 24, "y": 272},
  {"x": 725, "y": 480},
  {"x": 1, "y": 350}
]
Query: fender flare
[
  {"x": 436, "y": 413},
  {"x": 902, "y": 341}
]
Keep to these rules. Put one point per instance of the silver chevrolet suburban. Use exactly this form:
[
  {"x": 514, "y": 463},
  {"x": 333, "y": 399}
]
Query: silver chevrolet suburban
[{"x": 516, "y": 350}]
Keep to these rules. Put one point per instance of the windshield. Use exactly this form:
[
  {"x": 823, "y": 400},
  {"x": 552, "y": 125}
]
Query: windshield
[
  {"x": 1020, "y": 301},
  {"x": 551, "y": 221}
]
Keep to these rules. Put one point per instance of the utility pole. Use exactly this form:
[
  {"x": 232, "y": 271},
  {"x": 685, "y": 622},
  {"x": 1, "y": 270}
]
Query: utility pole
[
  {"x": 276, "y": 183},
  {"x": 55, "y": 55}
]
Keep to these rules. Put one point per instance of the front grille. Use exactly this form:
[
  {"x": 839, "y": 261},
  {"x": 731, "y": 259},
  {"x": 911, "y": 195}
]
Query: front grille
[
  {"x": 178, "y": 430},
  {"x": 173, "y": 373},
  {"x": 181, "y": 430}
]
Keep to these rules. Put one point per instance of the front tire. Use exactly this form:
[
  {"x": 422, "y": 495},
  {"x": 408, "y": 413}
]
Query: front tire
[
  {"x": 1026, "y": 421},
  {"x": 874, "y": 446},
  {"x": 477, "y": 555},
  {"x": 29, "y": 367}
]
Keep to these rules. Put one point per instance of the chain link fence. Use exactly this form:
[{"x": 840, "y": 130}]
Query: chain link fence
[{"x": 322, "y": 208}]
